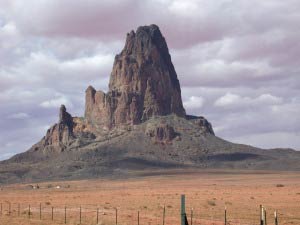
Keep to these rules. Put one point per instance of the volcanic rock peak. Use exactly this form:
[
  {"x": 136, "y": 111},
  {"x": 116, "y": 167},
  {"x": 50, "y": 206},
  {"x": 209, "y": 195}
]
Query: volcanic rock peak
[
  {"x": 60, "y": 133},
  {"x": 64, "y": 116},
  {"x": 143, "y": 90},
  {"x": 143, "y": 83}
]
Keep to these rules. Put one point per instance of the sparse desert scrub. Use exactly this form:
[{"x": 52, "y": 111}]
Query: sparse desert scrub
[
  {"x": 211, "y": 203},
  {"x": 206, "y": 192}
]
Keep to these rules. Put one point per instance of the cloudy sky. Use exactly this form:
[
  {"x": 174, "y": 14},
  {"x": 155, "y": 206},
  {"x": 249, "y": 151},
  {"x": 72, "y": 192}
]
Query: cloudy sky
[{"x": 238, "y": 62}]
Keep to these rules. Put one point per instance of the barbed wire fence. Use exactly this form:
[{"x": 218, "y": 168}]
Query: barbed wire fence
[{"x": 108, "y": 215}]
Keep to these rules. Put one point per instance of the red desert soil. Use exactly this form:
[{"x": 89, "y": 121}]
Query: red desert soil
[{"x": 207, "y": 192}]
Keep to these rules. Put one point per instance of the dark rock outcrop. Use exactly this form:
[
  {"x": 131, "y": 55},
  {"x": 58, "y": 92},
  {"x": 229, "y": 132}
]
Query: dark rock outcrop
[
  {"x": 65, "y": 118},
  {"x": 143, "y": 83},
  {"x": 163, "y": 133},
  {"x": 61, "y": 133},
  {"x": 202, "y": 123}
]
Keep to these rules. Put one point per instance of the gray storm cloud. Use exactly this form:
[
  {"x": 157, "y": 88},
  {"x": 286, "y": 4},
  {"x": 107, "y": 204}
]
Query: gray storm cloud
[{"x": 237, "y": 61}]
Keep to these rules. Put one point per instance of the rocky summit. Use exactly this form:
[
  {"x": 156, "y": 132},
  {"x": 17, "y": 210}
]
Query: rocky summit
[
  {"x": 140, "y": 124},
  {"x": 143, "y": 83}
]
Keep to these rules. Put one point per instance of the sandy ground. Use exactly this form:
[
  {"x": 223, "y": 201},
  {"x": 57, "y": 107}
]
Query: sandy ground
[{"x": 207, "y": 193}]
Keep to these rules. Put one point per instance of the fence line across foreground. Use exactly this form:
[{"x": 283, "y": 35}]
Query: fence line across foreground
[{"x": 114, "y": 216}]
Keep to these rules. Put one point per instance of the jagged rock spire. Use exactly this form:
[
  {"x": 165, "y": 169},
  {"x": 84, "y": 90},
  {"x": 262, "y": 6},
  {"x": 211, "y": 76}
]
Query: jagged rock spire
[
  {"x": 143, "y": 83},
  {"x": 65, "y": 117}
]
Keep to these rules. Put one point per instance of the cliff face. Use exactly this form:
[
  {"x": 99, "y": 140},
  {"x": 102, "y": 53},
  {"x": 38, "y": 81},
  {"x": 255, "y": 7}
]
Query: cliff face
[{"x": 143, "y": 83}]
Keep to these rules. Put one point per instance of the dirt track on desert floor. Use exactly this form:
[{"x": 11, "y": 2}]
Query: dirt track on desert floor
[{"x": 207, "y": 192}]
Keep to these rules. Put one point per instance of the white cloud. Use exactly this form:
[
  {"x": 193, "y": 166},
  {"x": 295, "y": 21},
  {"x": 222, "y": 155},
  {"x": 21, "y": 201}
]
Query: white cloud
[
  {"x": 184, "y": 8},
  {"x": 20, "y": 115},
  {"x": 268, "y": 99},
  {"x": 228, "y": 99},
  {"x": 194, "y": 102},
  {"x": 9, "y": 35},
  {"x": 233, "y": 100},
  {"x": 92, "y": 65},
  {"x": 57, "y": 102}
]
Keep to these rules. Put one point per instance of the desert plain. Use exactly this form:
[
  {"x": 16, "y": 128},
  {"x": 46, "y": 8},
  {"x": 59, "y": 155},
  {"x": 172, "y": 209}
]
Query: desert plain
[{"x": 144, "y": 197}]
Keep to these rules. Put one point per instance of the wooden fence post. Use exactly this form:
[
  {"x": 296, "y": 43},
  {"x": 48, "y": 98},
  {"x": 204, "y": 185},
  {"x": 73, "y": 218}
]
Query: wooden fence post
[
  {"x": 80, "y": 215},
  {"x": 265, "y": 216},
  {"x": 9, "y": 208},
  {"x": 65, "y": 214},
  {"x": 52, "y": 213},
  {"x": 276, "y": 219},
  {"x": 192, "y": 212},
  {"x": 261, "y": 212},
  {"x": 40, "y": 211},
  {"x": 97, "y": 215},
  {"x": 225, "y": 214},
  {"x": 29, "y": 213},
  {"x": 164, "y": 215},
  {"x": 116, "y": 216}
]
